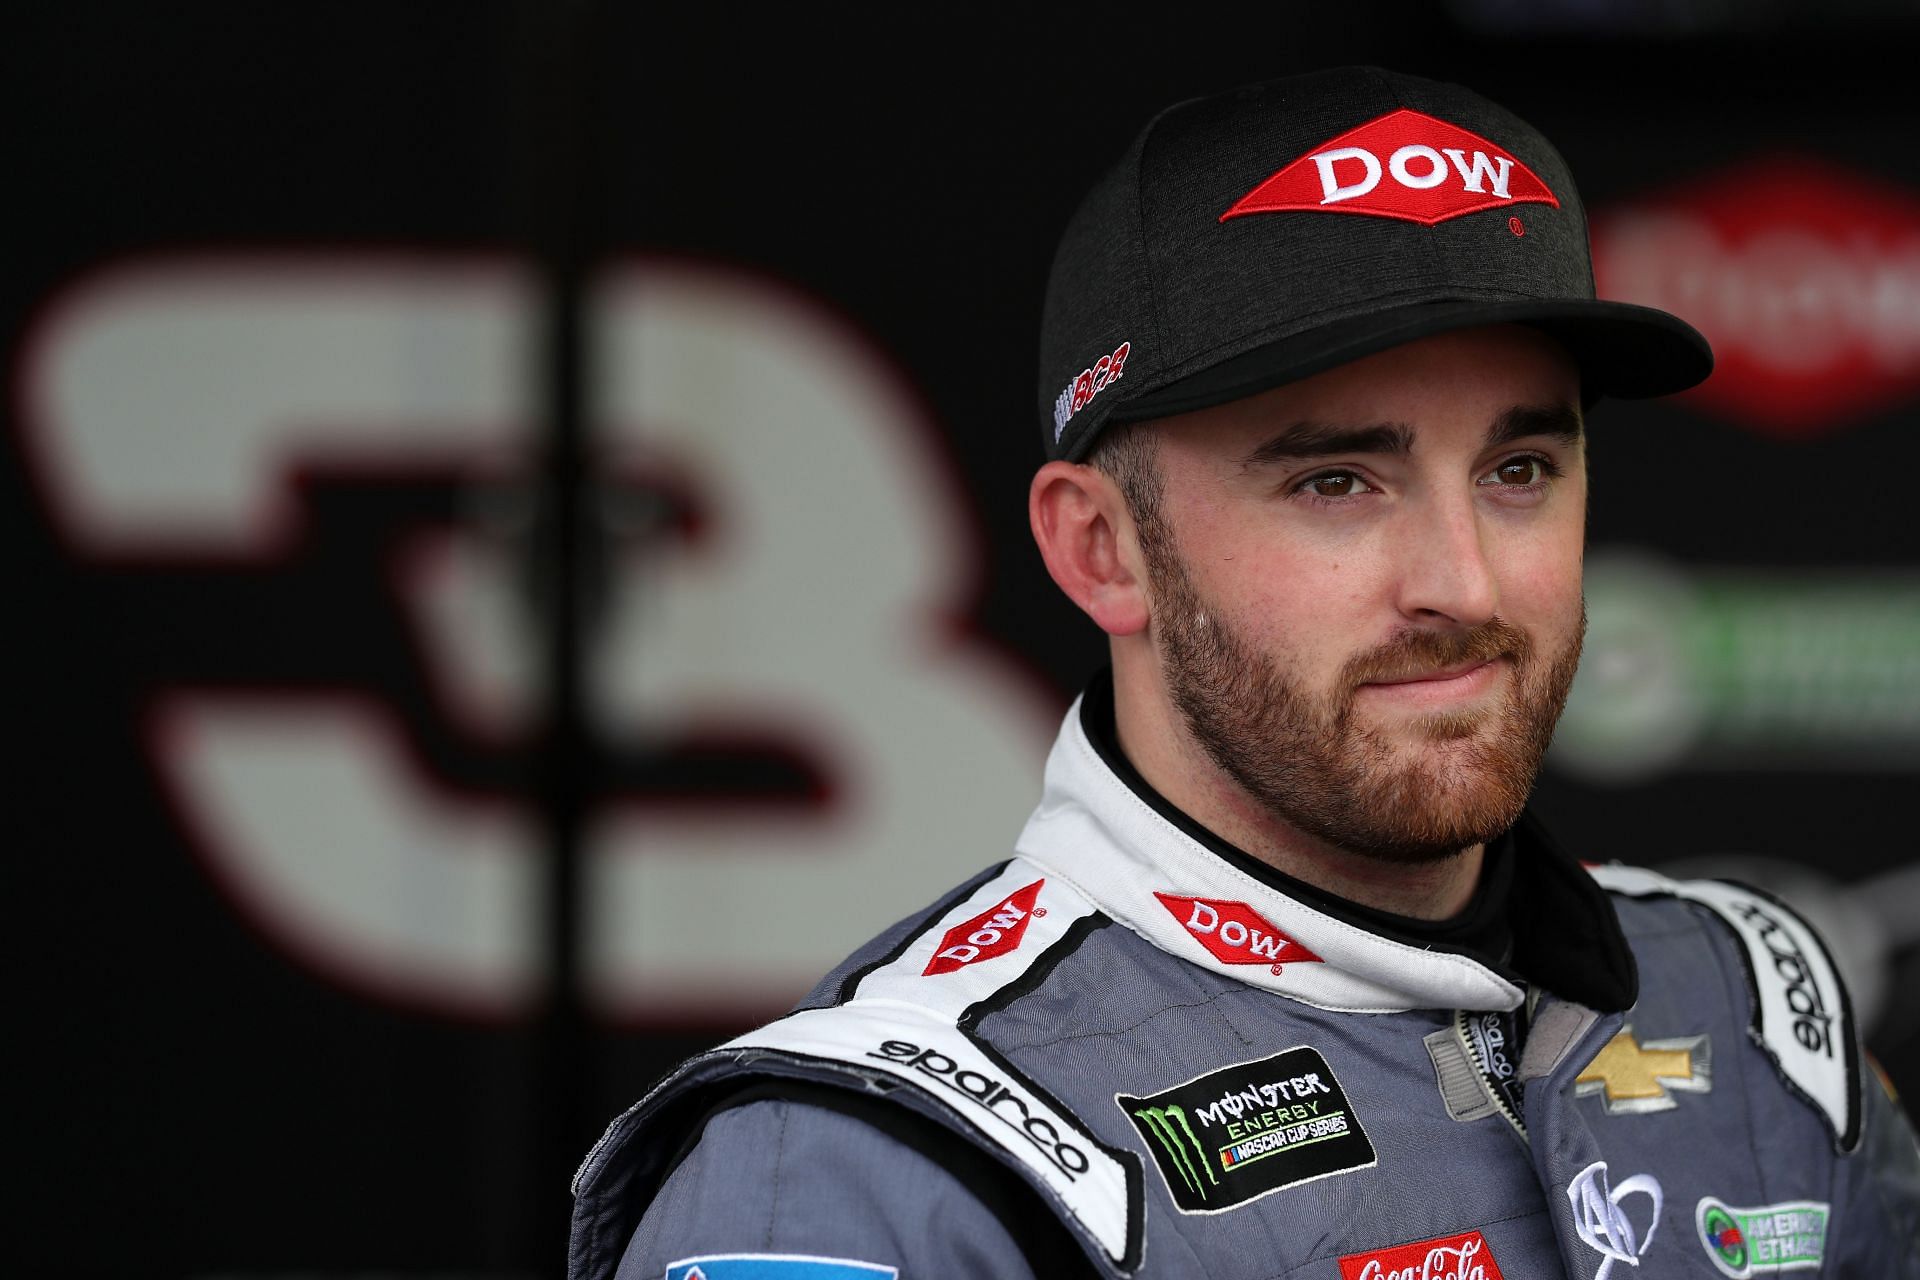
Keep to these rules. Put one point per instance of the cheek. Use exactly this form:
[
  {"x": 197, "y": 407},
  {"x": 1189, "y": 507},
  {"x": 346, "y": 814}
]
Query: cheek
[
  {"x": 1302, "y": 608},
  {"x": 1540, "y": 587}
]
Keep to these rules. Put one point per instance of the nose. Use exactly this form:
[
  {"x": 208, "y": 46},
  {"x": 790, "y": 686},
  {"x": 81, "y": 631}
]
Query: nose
[{"x": 1446, "y": 575}]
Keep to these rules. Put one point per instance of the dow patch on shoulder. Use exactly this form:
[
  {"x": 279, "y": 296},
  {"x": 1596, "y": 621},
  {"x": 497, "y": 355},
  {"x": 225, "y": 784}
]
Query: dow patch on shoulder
[
  {"x": 776, "y": 1266},
  {"x": 1247, "y": 1130}
]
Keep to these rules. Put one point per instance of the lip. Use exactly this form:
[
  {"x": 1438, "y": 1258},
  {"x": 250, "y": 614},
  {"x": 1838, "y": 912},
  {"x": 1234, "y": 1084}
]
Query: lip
[
  {"x": 1453, "y": 684},
  {"x": 1442, "y": 676}
]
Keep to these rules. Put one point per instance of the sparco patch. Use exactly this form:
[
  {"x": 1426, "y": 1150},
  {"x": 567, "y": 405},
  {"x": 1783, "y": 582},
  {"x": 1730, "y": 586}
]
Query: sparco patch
[
  {"x": 1801, "y": 1017},
  {"x": 971, "y": 1088},
  {"x": 1244, "y": 1131},
  {"x": 1773, "y": 1237},
  {"x": 1017, "y": 1111},
  {"x": 1461, "y": 1257},
  {"x": 1494, "y": 1040}
]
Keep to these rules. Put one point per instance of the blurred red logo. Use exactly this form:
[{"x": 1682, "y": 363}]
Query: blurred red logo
[
  {"x": 1804, "y": 277},
  {"x": 1234, "y": 932},
  {"x": 993, "y": 932},
  {"x": 1462, "y": 1257},
  {"x": 1403, "y": 165}
]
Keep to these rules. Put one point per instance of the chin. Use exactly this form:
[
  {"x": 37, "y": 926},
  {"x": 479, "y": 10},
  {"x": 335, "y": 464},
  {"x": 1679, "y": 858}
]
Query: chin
[
  {"x": 1450, "y": 726},
  {"x": 1454, "y": 795}
]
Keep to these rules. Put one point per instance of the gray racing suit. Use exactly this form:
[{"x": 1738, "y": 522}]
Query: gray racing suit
[{"x": 1131, "y": 1050}]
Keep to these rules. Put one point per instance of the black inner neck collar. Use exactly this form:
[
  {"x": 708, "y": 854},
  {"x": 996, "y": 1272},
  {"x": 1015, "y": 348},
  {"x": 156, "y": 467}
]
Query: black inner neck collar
[{"x": 1508, "y": 926}]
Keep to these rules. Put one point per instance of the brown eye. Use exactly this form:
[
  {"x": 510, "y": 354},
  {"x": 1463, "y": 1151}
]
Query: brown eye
[
  {"x": 1334, "y": 484},
  {"x": 1518, "y": 471}
]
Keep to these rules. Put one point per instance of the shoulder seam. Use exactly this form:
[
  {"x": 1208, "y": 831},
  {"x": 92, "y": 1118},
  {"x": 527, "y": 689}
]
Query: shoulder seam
[{"x": 1037, "y": 972}]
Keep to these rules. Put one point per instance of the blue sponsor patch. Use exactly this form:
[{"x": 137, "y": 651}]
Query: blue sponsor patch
[{"x": 776, "y": 1266}]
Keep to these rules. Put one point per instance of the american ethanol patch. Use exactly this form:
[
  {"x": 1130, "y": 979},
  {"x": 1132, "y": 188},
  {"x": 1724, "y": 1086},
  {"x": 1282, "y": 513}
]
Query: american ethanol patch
[{"x": 1767, "y": 1238}]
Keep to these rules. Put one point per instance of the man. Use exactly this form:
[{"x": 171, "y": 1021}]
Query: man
[{"x": 1282, "y": 979}]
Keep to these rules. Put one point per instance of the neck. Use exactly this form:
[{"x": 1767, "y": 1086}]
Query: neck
[{"x": 1155, "y": 739}]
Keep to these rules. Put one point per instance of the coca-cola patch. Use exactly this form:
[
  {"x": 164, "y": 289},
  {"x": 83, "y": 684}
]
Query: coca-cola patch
[
  {"x": 993, "y": 932},
  {"x": 1234, "y": 933},
  {"x": 1404, "y": 165},
  {"x": 1461, "y": 1257}
]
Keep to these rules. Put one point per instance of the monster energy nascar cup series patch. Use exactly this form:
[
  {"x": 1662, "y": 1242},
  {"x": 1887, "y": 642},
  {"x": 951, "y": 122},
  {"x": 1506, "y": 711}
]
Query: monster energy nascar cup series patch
[{"x": 1235, "y": 1134}]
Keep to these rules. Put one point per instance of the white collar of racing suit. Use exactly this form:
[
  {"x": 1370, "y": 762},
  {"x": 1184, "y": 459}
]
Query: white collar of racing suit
[{"x": 1095, "y": 832}]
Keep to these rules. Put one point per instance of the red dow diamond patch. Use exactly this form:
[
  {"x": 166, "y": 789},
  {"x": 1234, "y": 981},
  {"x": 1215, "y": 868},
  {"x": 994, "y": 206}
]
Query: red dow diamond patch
[
  {"x": 1405, "y": 165},
  {"x": 1804, "y": 276},
  {"x": 1234, "y": 932},
  {"x": 993, "y": 932},
  {"x": 1461, "y": 1257}
]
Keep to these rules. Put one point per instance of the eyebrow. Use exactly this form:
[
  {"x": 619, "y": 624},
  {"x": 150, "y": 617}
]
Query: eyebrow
[
  {"x": 1560, "y": 422},
  {"x": 1305, "y": 440}
]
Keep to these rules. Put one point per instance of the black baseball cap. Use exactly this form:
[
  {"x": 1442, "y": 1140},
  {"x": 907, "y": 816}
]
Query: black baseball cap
[{"x": 1269, "y": 233}]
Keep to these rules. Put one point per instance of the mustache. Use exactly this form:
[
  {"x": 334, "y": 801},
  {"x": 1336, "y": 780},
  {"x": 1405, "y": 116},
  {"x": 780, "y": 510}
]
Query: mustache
[{"x": 1415, "y": 653}]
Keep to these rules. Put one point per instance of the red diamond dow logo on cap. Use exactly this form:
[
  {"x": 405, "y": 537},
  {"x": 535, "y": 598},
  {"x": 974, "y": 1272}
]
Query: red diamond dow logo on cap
[
  {"x": 1403, "y": 165},
  {"x": 1461, "y": 1257},
  {"x": 1234, "y": 932},
  {"x": 993, "y": 932},
  {"x": 1804, "y": 276}
]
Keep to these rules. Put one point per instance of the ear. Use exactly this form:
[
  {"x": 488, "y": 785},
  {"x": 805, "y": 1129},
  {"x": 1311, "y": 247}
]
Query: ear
[{"x": 1087, "y": 539}]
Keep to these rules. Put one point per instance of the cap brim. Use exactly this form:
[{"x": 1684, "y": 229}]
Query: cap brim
[{"x": 1623, "y": 350}]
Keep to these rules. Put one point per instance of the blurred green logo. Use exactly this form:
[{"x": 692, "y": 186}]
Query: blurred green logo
[{"x": 1700, "y": 668}]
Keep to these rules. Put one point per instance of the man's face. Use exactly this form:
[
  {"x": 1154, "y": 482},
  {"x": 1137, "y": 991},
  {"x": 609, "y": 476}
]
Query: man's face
[{"x": 1322, "y": 551}]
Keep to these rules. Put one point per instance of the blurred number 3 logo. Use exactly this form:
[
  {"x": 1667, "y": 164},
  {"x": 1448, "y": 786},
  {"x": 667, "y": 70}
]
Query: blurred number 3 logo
[
  {"x": 168, "y": 409},
  {"x": 1603, "y": 1224}
]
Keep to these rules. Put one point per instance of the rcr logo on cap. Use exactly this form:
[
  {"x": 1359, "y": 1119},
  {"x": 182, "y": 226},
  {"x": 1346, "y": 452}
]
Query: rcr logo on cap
[
  {"x": 1404, "y": 165},
  {"x": 1090, "y": 382}
]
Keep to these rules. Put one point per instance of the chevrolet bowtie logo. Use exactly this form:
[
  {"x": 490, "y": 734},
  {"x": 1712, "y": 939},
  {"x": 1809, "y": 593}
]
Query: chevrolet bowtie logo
[{"x": 1635, "y": 1078}]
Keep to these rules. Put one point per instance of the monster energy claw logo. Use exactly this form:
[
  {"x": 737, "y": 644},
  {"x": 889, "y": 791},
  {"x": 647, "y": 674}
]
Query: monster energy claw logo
[
  {"x": 1181, "y": 1145},
  {"x": 1250, "y": 1129}
]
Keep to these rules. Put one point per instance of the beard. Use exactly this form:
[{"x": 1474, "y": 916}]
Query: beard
[{"x": 1306, "y": 759}]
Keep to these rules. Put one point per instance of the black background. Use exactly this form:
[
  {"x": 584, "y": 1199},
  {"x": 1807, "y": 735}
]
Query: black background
[{"x": 188, "y": 1102}]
